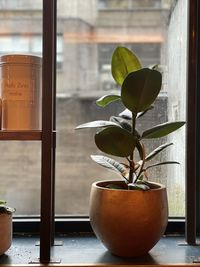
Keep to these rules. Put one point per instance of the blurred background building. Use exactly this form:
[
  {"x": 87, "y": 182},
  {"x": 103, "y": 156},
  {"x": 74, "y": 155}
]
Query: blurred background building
[{"x": 87, "y": 33}]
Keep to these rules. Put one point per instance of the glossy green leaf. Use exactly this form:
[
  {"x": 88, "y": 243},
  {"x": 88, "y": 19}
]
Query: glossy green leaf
[
  {"x": 140, "y": 149},
  {"x": 154, "y": 67},
  {"x": 96, "y": 124},
  {"x": 107, "y": 99},
  {"x": 6, "y": 209},
  {"x": 110, "y": 164},
  {"x": 115, "y": 186},
  {"x": 123, "y": 62},
  {"x": 137, "y": 186},
  {"x": 126, "y": 114},
  {"x": 162, "y": 129},
  {"x": 140, "y": 114},
  {"x": 115, "y": 141},
  {"x": 125, "y": 124},
  {"x": 140, "y": 89},
  {"x": 157, "y": 150},
  {"x": 162, "y": 163}
]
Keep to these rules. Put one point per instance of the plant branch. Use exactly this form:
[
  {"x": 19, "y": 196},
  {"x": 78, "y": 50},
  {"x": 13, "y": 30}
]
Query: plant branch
[
  {"x": 131, "y": 172},
  {"x": 142, "y": 165}
]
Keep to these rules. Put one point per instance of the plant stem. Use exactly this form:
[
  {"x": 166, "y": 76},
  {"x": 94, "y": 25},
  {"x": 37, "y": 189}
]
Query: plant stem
[
  {"x": 143, "y": 162},
  {"x": 140, "y": 172},
  {"x": 131, "y": 171}
]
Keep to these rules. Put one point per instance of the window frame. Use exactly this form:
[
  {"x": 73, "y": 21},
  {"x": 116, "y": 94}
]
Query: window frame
[
  {"x": 35, "y": 225},
  {"x": 78, "y": 224},
  {"x": 31, "y": 224}
]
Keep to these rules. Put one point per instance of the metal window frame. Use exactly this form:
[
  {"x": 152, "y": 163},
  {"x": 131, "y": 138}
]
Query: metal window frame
[
  {"x": 78, "y": 224},
  {"x": 193, "y": 123}
]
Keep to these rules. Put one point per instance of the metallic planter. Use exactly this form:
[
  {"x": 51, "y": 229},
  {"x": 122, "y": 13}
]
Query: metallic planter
[
  {"x": 5, "y": 232},
  {"x": 128, "y": 222}
]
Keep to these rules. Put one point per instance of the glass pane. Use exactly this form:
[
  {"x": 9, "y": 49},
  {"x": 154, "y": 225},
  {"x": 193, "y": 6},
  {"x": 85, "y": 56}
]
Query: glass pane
[
  {"x": 128, "y": 4},
  {"x": 20, "y": 166},
  {"x": 175, "y": 86},
  {"x": 20, "y": 176},
  {"x": 88, "y": 32},
  {"x": 36, "y": 44},
  {"x": 14, "y": 44},
  {"x": 156, "y": 32}
]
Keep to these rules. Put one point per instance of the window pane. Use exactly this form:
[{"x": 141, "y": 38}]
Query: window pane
[
  {"x": 36, "y": 44},
  {"x": 156, "y": 32},
  {"x": 88, "y": 32},
  {"x": 20, "y": 176},
  {"x": 20, "y": 5},
  {"x": 14, "y": 44},
  {"x": 20, "y": 166},
  {"x": 128, "y": 4},
  {"x": 176, "y": 61}
]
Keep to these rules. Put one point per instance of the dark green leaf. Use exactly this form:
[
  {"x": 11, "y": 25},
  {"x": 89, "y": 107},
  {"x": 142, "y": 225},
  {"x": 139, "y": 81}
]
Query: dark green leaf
[
  {"x": 140, "y": 89},
  {"x": 154, "y": 67},
  {"x": 6, "y": 209},
  {"x": 140, "y": 114},
  {"x": 162, "y": 129},
  {"x": 126, "y": 114},
  {"x": 96, "y": 124},
  {"x": 140, "y": 178},
  {"x": 110, "y": 164},
  {"x": 107, "y": 99},
  {"x": 125, "y": 124},
  {"x": 141, "y": 181},
  {"x": 162, "y": 163},
  {"x": 140, "y": 149},
  {"x": 157, "y": 67},
  {"x": 115, "y": 141},
  {"x": 157, "y": 150},
  {"x": 123, "y": 62},
  {"x": 138, "y": 186},
  {"x": 115, "y": 186}
]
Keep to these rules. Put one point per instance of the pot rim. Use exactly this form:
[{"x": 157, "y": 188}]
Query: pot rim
[
  {"x": 3, "y": 214},
  {"x": 96, "y": 184}
]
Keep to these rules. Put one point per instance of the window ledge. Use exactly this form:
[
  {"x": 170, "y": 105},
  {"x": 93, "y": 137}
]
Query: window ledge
[{"x": 86, "y": 250}]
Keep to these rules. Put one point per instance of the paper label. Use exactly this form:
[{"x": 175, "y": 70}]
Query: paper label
[{"x": 17, "y": 89}]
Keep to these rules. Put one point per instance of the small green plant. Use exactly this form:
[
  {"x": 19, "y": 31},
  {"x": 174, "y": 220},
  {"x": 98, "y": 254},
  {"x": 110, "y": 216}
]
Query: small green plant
[
  {"x": 4, "y": 208},
  {"x": 119, "y": 136}
]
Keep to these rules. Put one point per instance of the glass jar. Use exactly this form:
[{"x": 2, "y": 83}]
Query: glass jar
[{"x": 21, "y": 93}]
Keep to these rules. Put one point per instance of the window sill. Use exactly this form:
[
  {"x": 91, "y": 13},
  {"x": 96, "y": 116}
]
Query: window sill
[{"x": 86, "y": 250}]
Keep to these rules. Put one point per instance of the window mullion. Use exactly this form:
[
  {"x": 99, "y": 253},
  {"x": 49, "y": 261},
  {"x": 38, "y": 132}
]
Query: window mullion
[{"x": 191, "y": 174}]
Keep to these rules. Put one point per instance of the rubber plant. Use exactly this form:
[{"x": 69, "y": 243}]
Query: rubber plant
[{"x": 119, "y": 136}]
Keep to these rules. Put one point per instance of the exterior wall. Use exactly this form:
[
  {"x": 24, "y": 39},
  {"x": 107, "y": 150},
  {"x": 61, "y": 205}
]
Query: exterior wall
[
  {"x": 78, "y": 9},
  {"x": 83, "y": 26},
  {"x": 80, "y": 66},
  {"x": 20, "y": 4}
]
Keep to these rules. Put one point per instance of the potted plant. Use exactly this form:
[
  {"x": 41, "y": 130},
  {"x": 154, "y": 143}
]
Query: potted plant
[
  {"x": 129, "y": 215},
  {"x": 5, "y": 226}
]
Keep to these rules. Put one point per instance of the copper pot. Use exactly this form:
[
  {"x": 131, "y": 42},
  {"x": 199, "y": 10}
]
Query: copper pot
[
  {"x": 5, "y": 232},
  {"x": 128, "y": 222}
]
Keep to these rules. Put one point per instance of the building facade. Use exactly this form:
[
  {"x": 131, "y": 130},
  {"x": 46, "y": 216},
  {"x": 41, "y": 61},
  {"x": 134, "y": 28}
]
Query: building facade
[{"x": 87, "y": 33}]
